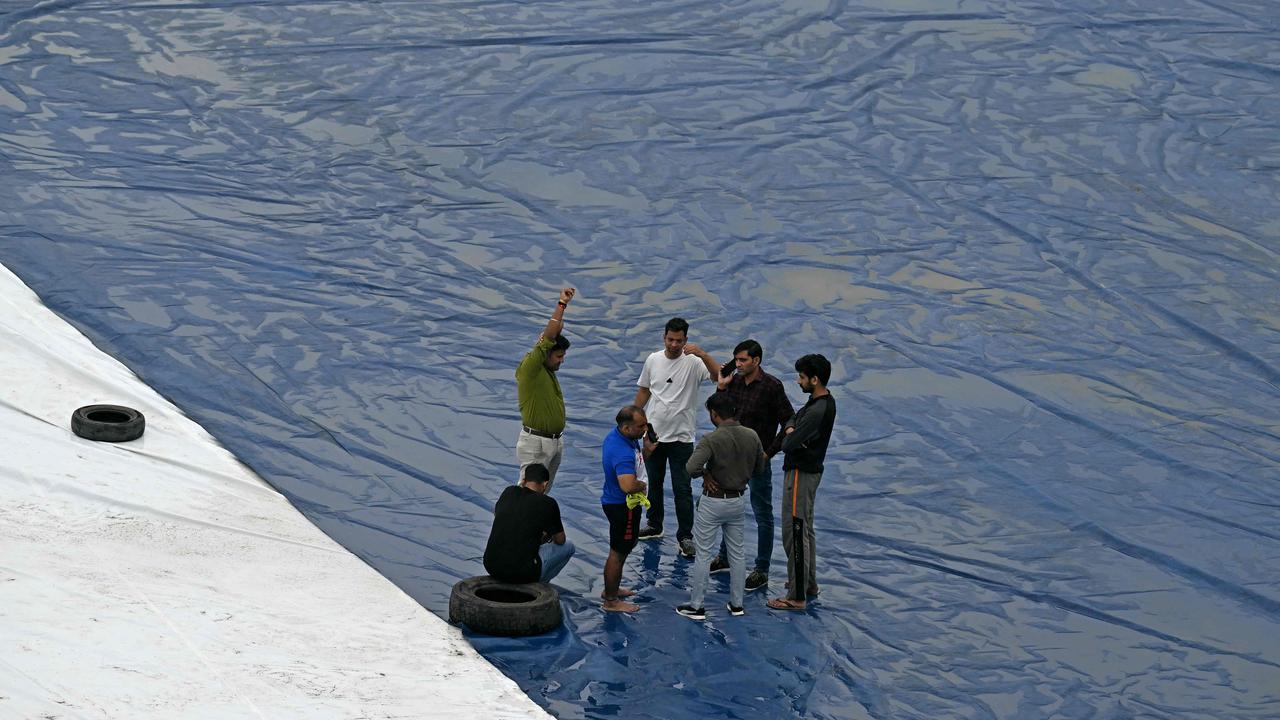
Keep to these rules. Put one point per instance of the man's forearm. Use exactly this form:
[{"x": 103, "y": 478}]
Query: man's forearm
[
  {"x": 556, "y": 324},
  {"x": 806, "y": 429},
  {"x": 631, "y": 484},
  {"x": 697, "y": 463},
  {"x": 713, "y": 367}
]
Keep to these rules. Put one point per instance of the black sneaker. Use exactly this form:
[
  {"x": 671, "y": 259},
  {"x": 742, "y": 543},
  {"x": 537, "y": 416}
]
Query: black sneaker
[
  {"x": 757, "y": 580},
  {"x": 687, "y": 549},
  {"x": 736, "y": 610},
  {"x": 719, "y": 565},
  {"x": 692, "y": 612},
  {"x": 648, "y": 532}
]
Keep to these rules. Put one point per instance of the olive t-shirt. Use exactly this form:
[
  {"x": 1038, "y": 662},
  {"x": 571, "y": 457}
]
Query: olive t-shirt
[{"x": 541, "y": 402}]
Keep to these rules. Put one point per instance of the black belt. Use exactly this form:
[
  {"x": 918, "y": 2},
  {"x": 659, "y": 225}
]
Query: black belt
[
  {"x": 539, "y": 433},
  {"x": 724, "y": 494}
]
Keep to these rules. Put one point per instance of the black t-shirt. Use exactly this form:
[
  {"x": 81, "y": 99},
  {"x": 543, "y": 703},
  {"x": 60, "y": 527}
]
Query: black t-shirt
[
  {"x": 806, "y": 448},
  {"x": 521, "y": 518}
]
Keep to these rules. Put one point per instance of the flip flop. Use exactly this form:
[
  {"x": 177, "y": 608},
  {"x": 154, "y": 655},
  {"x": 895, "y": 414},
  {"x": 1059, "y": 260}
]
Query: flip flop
[{"x": 785, "y": 604}]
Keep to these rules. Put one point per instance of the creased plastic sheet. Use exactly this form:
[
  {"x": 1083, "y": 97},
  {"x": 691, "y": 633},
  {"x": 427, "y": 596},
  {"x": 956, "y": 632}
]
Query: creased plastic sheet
[
  {"x": 160, "y": 578},
  {"x": 1038, "y": 240}
]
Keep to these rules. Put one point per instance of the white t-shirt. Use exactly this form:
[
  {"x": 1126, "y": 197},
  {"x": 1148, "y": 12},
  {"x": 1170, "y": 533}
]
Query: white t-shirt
[
  {"x": 673, "y": 402},
  {"x": 642, "y": 470}
]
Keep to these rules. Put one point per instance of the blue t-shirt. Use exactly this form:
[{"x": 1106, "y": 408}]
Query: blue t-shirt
[{"x": 618, "y": 457}]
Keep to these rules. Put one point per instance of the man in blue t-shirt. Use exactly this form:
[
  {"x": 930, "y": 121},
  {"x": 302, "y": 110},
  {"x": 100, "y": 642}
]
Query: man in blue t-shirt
[{"x": 622, "y": 459}]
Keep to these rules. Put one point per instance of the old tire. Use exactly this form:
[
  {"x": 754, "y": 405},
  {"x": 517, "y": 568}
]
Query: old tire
[
  {"x": 490, "y": 607},
  {"x": 108, "y": 423}
]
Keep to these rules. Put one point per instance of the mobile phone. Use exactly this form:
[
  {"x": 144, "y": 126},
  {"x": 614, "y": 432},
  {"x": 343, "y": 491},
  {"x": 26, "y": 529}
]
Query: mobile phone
[
  {"x": 650, "y": 433},
  {"x": 727, "y": 369}
]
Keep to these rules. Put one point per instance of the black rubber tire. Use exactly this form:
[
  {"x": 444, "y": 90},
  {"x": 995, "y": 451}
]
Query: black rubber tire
[
  {"x": 490, "y": 607},
  {"x": 108, "y": 423}
]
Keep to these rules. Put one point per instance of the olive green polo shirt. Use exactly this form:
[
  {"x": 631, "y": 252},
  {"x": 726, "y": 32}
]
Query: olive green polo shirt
[{"x": 541, "y": 402}]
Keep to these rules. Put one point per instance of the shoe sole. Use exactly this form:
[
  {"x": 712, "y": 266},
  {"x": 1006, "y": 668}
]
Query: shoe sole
[
  {"x": 650, "y": 537},
  {"x": 720, "y": 570},
  {"x": 696, "y": 618},
  {"x": 738, "y": 613}
]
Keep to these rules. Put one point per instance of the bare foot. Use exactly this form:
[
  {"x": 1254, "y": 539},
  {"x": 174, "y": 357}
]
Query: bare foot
[
  {"x": 619, "y": 606},
  {"x": 783, "y": 603},
  {"x": 622, "y": 592}
]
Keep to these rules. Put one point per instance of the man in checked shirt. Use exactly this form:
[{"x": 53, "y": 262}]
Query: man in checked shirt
[{"x": 763, "y": 406}]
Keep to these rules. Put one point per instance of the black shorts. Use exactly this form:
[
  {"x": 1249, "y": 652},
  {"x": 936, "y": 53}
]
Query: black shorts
[{"x": 624, "y": 527}]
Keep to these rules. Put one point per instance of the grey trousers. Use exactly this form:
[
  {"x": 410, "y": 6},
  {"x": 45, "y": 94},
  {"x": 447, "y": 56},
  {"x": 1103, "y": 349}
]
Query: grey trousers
[
  {"x": 798, "y": 491},
  {"x": 532, "y": 449},
  {"x": 713, "y": 516}
]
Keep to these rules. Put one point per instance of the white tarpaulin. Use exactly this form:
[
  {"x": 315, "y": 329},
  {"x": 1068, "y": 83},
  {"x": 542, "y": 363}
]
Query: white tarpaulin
[{"x": 162, "y": 578}]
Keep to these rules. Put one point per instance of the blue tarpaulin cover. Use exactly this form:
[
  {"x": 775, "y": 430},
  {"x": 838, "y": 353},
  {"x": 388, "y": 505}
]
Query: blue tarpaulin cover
[{"x": 1038, "y": 241}]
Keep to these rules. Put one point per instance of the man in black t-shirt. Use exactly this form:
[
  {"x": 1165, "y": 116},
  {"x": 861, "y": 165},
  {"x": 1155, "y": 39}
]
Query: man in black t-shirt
[
  {"x": 805, "y": 441},
  {"x": 527, "y": 542}
]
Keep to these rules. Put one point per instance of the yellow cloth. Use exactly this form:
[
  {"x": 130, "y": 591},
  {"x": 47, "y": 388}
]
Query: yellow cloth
[{"x": 637, "y": 498}]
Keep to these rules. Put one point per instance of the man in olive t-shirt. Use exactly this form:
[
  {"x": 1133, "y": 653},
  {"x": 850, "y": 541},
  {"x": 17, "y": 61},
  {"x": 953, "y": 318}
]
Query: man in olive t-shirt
[{"x": 541, "y": 402}]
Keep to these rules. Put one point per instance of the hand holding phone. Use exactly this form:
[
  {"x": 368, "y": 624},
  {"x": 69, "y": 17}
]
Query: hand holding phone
[{"x": 727, "y": 369}]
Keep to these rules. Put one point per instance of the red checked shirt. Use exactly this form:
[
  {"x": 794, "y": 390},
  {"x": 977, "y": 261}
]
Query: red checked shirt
[{"x": 762, "y": 406}]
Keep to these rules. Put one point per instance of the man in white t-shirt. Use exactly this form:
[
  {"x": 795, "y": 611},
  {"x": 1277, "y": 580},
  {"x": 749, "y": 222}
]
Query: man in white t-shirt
[{"x": 669, "y": 395}]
